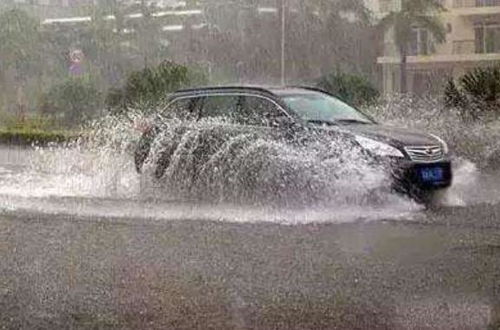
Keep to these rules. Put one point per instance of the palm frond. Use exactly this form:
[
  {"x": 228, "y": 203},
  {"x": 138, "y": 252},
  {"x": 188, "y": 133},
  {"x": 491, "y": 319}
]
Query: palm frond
[
  {"x": 423, "y": 6},
  {"x": 388, "y": 21},
  {"x": 434, "y": 25}
]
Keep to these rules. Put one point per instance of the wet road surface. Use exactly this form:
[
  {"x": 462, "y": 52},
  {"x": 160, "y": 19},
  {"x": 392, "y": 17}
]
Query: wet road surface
[{"x": 432, "y": 269}]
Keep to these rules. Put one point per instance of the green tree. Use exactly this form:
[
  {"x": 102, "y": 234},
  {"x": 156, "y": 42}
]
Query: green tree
[
  {"x": 20, "y": 42},
  {"x": 150, "y": 86},
  {"x": 73, "y": 100},
  {"x": 353, "y": 89},
  {"x": 413, "y": 13},
  {"x": 475, "y": 93}
]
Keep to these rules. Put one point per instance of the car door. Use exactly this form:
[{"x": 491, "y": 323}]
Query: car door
[
  {"x": 239, "y": 113},
  {"x": 174, "y": 121},
  {"x": 183, "y": 108},
  {"x": 217, "y": 123},
  {"x": 264, "y": 115}
]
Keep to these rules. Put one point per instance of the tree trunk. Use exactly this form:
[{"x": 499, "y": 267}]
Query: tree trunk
[
  {"x": 403, "y": 72},
  {"x": 21, "y": 103}
]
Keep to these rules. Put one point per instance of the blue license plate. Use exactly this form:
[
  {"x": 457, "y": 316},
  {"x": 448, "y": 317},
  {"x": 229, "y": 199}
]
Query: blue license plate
[{"x": 432, "y": 174}]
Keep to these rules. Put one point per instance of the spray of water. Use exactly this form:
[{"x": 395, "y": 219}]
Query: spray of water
[
  {"x": 475, "y": 141},
  {"x": 474, "y": 145},
  {"x": 216, "y": 170},
  {"x": 214, "y": 165},
  {"x": 221, "y": 162}
]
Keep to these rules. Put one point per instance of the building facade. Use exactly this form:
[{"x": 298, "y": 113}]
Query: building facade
[
  {"x": 472, "y": 40},
  {"x": 50, "y": 8}
]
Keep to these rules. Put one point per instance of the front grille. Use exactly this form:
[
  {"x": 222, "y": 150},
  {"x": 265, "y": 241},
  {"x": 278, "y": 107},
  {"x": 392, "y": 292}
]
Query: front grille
[{"x": 425, "y": 153}]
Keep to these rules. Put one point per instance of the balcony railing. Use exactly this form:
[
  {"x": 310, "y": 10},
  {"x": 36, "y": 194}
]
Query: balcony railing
[
  {"x": 418, "y": 49},
  {"x": 475, "y": 3},
  {"x": 462, "y": 47}
]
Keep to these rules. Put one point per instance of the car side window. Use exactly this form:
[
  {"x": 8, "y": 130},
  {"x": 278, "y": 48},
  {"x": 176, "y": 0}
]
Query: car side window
[
  {"x": 225, "y": 106},
  {"x": 184, "y": 108},
  {"x": 259, "y": 111}
]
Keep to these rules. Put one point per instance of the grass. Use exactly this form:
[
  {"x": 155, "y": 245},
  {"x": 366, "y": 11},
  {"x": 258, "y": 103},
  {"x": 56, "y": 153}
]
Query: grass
[
  {"x": 33, "y": 129},
  {"x": 20, "y": 136}
]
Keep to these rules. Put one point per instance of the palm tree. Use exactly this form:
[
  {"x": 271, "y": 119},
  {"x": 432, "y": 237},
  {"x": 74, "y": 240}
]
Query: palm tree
[{"x": 420, "y": 13}]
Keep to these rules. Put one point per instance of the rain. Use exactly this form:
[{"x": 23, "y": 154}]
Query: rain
[{"x": 249, "y": 164}]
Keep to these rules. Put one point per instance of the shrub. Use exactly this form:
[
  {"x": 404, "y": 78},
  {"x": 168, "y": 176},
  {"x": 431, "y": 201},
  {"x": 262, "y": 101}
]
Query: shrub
[
  {"x": 151, "y": 85},
  {"x": 73, "y": 100},
  {"x": 475, "y": 93},
  {"x": 28, "y": 136},
  {"x": 352, "y": 89},
  {"x": 30, "y": 122}
]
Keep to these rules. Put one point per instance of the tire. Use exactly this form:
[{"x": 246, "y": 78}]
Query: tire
[{"x": 431, "y": 199}]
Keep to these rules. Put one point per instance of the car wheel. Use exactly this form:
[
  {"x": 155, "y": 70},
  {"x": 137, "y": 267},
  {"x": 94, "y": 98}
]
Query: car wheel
[{"x": 432, "y": 199}]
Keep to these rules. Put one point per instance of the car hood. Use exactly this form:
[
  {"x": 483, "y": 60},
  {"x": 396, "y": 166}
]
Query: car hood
[{"x": 398, "y": 137}]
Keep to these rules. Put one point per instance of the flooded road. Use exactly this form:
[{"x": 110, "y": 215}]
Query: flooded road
[{"x": 86, "y": 252}]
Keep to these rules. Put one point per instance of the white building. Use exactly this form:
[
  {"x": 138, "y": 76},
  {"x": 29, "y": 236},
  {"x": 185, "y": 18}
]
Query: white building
[{"x": 473, "y": 39}]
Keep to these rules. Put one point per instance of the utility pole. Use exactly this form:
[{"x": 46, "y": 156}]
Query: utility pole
[{"x": 283, "y": 41}]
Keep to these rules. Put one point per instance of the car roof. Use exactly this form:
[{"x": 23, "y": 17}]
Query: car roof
[{"x": 270, "y": 90}]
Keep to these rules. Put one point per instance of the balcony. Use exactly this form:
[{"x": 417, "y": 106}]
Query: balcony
[
  {"x": 464, "y": 47},
  {"x": 476, "y": 7},
  {"x": 463, "y": 51}
]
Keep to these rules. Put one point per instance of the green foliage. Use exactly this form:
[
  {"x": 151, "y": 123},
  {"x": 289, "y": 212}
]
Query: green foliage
[
  {"x": 20, "y": 40},
  {"x": 151, "y": 85},
  {"x": 73, "y": 100},
  {"x": 353, "y": 89},
  {"x": 10, "y": 121},
  {"x": 25, "y": 136},
  {"x": 453, "y": 97},
  {"x": 475, "y": 93}
]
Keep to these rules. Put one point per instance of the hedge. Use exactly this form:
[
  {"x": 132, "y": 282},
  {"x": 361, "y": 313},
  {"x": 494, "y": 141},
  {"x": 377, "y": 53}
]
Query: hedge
[{"x": 28, "y": 137}]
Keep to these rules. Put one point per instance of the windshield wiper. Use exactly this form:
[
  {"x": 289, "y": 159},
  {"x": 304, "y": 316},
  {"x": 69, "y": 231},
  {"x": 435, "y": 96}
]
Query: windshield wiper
[{"x": 322, "y": 122}]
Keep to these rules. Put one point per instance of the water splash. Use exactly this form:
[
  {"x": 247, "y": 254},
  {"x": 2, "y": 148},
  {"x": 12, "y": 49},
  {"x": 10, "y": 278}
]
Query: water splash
[
  {"x": 213, "y": 166},
  {"x": 476, "y": 141},
  {"x": 221, "y": 162},
  {"x": 214, "y": 169},
  {"x": 474, "y": 145}
]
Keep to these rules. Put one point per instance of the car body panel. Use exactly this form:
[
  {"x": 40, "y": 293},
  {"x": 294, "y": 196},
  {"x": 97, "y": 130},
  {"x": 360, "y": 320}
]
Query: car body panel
[{"x": 409, "y": 175}]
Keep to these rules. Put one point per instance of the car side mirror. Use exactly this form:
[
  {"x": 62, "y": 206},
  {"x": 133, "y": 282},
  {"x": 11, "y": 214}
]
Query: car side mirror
[{"x": 282, "y": 121}]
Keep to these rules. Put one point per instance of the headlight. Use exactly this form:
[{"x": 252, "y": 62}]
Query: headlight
[
  {"x": 444, "y": 144},
  {"x": 378, "y": 148}
]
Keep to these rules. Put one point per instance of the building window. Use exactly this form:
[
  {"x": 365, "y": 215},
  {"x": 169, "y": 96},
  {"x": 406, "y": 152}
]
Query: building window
[
  {"x": 487, "y": 38},
  {"x": 420, "y": 42},
  {"x": 487, "y": 3},
  {"x": 386, "y": 6}
]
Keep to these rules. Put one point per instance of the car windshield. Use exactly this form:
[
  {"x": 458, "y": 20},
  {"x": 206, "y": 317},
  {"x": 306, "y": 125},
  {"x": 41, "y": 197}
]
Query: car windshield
[{"x": 323, "y": 108}]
